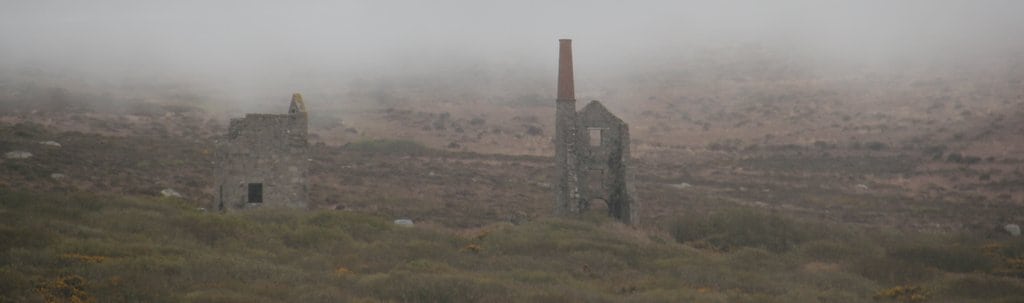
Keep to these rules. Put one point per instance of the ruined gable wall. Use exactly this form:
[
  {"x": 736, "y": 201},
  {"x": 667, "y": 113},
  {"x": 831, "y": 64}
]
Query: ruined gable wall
[
  {"x": 268, "y": 149},
  {"x": 606, "y": 161}
]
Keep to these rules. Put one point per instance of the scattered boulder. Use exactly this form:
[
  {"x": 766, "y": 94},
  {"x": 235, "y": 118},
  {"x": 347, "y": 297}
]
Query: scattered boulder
[
  {"x": 50, "y": 143},
  {"x": 170, "y": 193},
  {"x": 1013, "y": 229},
  {"x": 404, "y": 222},
  {"x": 681, "y": 185},
  {"x": 18, "y": 154}
]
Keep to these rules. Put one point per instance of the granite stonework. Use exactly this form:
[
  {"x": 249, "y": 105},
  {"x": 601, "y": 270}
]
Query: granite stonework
[
  {"x": 263, "y": 161},
  {"x": 591, "y": 152}
]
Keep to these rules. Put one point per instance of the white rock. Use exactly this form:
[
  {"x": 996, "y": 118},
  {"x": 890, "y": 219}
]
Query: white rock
[
  {"x": 56, "y": 176},
  {"x": 18, "y": 154},
  {"x": 681, "y": 185},
  {"x": 50, "y": 143},
  {"x": 404, "y": 222},
  {"x": 861, "y": 187},
  {"x": 1013, "y": 229},
  {"x": 167, "y": 192}
]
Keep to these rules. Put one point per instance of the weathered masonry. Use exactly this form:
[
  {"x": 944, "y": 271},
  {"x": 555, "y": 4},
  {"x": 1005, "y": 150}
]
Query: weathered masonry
[
  {"x": 591, "y": 152},
  {"x": 264, "y": 160}
]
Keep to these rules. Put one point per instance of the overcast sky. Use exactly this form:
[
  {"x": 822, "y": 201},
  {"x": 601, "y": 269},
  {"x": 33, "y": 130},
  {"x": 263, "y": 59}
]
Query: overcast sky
[{"x": 256, "y": 37}]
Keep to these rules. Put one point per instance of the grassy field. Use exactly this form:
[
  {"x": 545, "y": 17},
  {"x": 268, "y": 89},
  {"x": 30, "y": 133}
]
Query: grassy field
[{"x": 79, "y": 247}]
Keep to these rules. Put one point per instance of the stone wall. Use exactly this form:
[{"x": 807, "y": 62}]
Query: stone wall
[
  {"x": 604, "y": 166},
  {"x": 270, "y": 150},
  {"x": 566, "y": 180}
]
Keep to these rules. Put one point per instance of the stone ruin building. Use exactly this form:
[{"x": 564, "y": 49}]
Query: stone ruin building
[
  {"x": 591, "y": 152},
  {"x": 264, "y": 160}
]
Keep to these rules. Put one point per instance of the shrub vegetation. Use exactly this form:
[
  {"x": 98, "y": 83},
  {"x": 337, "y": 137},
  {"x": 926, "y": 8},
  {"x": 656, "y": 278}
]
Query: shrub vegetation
[{"x": 75, "y": 247}]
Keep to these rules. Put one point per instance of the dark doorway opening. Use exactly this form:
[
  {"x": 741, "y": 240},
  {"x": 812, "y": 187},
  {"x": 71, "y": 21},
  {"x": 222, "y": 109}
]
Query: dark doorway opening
[
  {"x": 598, "y": 206},
  {"x": 596, "y": 209},
  {"x": 595, "y": 183}
]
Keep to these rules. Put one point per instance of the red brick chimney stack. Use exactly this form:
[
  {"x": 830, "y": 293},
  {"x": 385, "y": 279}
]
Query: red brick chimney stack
[{"x": 566, "y": 91}]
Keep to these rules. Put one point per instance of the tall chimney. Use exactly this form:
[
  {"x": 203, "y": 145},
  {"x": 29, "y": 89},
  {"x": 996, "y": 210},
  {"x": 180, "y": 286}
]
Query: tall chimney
[{"x": 566, "y": 91}]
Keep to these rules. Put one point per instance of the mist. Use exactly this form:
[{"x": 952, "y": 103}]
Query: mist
[
  {"x": 245, "y": 49},
  {"x": 712, "y": 151}
]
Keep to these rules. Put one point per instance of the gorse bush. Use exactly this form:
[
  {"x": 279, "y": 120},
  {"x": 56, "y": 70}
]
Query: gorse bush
[
  {"x": 951, "y": 258},
  {"x": 64, "y": 289},
  {"x": 992, "y": 289},
  {"x": 903, "y": 294},
  {"x": 737, "y": 228},
  {"x": 888, "y": 271},
  {"x": 402, "y": 286}
]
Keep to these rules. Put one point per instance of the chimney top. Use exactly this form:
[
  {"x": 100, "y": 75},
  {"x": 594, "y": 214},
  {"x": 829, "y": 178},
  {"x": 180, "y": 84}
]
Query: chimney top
[{"x": 566, "y": 89}]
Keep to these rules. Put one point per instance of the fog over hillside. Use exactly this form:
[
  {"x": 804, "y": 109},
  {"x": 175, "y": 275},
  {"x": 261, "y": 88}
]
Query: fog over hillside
[
  {"x": 246, "y": 49},
  {"x": 741, "y": 151}
]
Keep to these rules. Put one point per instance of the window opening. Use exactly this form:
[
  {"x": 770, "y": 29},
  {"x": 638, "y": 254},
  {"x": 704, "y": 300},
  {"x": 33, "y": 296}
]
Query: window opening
[
  {"x": 255, "y": 192},
  {"x": 595, "y": 136}
]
